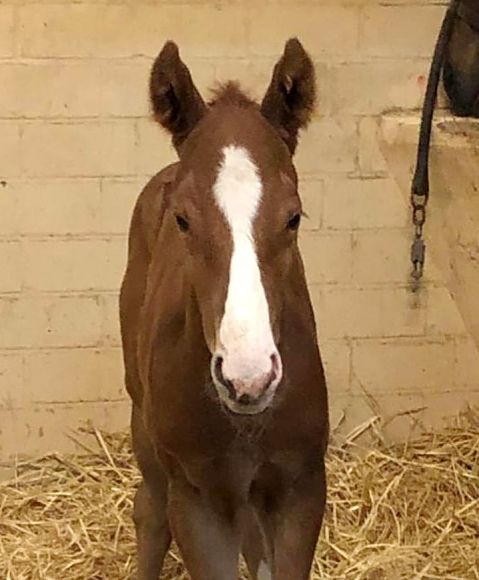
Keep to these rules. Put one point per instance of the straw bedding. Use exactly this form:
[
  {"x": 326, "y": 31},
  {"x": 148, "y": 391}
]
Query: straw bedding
[{"x": 396, "y": 512}]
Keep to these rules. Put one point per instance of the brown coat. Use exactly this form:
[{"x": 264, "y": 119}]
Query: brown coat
[{"x": 221, "y": 482}]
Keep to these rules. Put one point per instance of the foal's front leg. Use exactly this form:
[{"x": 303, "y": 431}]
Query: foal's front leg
[
  {"x": 150, "y": 505},
  {"x": 204, "y": 532},
  {"x": 292, "y": 528}
]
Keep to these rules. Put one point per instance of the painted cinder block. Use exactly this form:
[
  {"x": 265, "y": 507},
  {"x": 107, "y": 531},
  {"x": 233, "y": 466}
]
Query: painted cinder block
[
  {"x": 370, "y": 158},
  {"x": 68, "y": 88},
  {"x": 13, "y": 393},
  {"x": 328, "y": 146},
  {"x": 336, "y": 357},
  {"x": 40, "y": 429},
  {"x": 10, "y": 150},
  {"x": 352, "y": 203},
  {"x": 92, "y": 30},
  {"x": 74, "y": 265},
  {"x": 11, "y": 266},
  {"x": 9, "y": 211},
  {"x": 312, "y": 199},
  {"x": 118, "y": 197},
  {"x": 327, "y": 257},
  {"x": 97, "y": 376},
  {"x": 400, "y": 31},
  {"x": 372, "y": 87},
  {"x": 406, "y": 365},
  {"x": 154, "y": 149},
  {"x": 370, "y": 312},
  {"x": 381, "y": 256},
  {"x": 50, "y": 321},
  {"x": 329, "y": 29},
  {"x": 79, "y": 149},
  {"x": 111, "y": 319},
  {"x": 57, "y": 207},
  {"x": 7, "y": 31}
]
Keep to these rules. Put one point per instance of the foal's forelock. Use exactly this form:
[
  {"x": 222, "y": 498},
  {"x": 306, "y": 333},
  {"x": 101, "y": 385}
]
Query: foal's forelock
[{"x": 245, "y": 338}]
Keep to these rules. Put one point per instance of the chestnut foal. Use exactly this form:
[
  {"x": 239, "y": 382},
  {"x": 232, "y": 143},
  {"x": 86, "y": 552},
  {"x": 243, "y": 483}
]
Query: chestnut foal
[{"x": 230, "y": 411}]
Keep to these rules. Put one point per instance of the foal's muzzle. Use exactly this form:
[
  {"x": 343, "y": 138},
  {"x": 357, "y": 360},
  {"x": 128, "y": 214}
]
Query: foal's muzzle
[{"x": 246, "y": 396}]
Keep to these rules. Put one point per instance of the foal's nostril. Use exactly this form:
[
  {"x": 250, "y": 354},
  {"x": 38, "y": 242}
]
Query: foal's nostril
[
  {"x": 218, "y": 371},
  {"x": 245, "y": 399},
  {"x": 275, "y": 366},
  {"x": 218, "y": 366}
]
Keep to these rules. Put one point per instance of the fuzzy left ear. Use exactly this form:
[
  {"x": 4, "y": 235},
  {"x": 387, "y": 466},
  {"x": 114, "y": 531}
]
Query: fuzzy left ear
[
  {"x": 176, "y": 102},
  {"x": 290, "y": 98}
]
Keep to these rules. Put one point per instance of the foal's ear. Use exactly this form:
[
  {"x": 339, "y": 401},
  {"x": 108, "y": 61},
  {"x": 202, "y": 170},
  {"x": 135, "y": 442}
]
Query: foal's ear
[
  {"x": 177, "y": 104},
  {"x": 289, "y": 100}
]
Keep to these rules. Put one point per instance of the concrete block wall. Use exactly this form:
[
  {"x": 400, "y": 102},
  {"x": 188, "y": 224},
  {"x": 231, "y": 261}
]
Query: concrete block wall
[{"x": 77, "y": 145}]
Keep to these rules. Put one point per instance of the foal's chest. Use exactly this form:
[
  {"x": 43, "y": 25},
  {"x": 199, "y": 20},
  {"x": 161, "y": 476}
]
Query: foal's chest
[{"x": 243, "y": 471}]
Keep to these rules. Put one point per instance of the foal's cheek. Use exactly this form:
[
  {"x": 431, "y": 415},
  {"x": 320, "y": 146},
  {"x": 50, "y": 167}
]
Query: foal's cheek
[
  {"x": 211, "y": 325},
  {"x": 276, "y": 265},
  {"x": 211, "y": 298},
  {"x": 210, "y": 338},
  {"x": 274, "y": 294}
]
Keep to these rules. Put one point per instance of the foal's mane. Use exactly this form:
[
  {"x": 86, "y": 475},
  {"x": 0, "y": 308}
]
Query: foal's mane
[{"x": 230, "y": 93}]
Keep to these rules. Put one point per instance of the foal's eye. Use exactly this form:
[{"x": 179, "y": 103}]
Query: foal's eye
[
  {"x": 293, "y": 223},
  {"x": 182, "y": 223}
]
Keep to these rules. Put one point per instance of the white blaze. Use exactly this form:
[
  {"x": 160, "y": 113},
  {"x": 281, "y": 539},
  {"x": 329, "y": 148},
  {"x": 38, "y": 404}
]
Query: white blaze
[{"x": 245, "y": 337}]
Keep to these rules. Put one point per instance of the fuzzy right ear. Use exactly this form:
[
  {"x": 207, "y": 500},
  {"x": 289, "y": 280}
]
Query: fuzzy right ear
[
  {"x": 177, "y": 104},
  {"x": 289, "y": 101}
]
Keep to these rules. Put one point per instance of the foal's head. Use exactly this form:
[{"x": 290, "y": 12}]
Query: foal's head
[{"x": 237, "y": 212}]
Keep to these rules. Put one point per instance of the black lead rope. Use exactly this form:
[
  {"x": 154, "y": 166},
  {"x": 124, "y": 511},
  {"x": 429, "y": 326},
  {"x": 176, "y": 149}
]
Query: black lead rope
[{"x": 420, "y": 184}]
